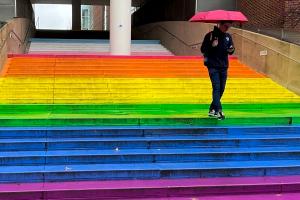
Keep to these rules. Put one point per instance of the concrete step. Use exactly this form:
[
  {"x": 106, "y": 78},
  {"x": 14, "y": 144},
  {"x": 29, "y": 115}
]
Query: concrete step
[
  {"x": 91, "y": 172},
  {"x": 59, "y": 46},
  {"x": 214, "y": 188},
  {"x": 154, "y": 142},
  {"x": 129, "y": 132},
  {"x": 203, "y": 91},
  {"x": 237, "y": 119},
  {"x": 130, "y": 156}
]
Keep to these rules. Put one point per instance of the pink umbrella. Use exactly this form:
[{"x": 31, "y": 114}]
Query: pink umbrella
[{"x": 216, "y": 16}]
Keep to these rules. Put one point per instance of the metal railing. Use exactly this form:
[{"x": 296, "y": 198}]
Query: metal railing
[
  {"x": 16, "y": 38},
  {"x": 171, "y": 34},
  {"x": 2, "y": 24},
  {"x": 279, "y": 33}
]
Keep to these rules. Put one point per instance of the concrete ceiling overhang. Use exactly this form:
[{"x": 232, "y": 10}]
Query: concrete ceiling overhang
[{"x": 135, "y": 3}]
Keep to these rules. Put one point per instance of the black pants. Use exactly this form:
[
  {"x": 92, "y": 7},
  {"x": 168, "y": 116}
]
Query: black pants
[{"x": 218, "y": 79}]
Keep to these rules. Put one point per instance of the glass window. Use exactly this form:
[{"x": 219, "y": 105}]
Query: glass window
[{"x": 85, "y": 19}]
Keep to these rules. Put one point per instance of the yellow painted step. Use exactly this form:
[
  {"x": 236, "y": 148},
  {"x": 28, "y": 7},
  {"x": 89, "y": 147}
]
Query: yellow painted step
[
  {"x": 152, "y": 101},
  {"x": 137, "y": 96},
  {"x": 137, "y": 90},
  {"x": 87, "y": 87},
  {"x": 176, "y": 90}
]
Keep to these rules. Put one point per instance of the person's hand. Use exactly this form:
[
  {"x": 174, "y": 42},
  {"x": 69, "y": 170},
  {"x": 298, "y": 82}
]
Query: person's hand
[
  {"x": 215, "y": 42},
  {"x": 231, "y": 49}
]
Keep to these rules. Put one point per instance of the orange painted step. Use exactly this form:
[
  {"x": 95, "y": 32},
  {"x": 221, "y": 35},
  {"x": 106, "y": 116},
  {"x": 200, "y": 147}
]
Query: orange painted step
[{"x": 107, "y": 67}]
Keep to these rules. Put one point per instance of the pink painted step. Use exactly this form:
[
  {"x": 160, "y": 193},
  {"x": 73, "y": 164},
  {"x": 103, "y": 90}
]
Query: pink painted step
[{"x": 150, "y": 188}]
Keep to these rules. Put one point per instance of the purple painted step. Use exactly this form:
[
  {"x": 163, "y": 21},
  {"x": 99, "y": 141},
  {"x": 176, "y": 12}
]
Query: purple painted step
[
  {"x": 271, "y": 196},
  {"x": 149, "y": 188}
]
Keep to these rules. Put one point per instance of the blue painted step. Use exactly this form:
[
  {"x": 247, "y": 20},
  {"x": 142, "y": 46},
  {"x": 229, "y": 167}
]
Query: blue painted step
[
  {"x": 148, "y": 171},
  {"x": 147, "y": 156},
  {"x": 141, "y": 131},
  {"x": 95, "y": 153},
  {"x": 39, "y": 144}
]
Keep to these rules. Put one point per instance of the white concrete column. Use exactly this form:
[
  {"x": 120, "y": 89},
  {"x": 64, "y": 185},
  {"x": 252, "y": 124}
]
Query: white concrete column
[{"x": 120, "y": 27}]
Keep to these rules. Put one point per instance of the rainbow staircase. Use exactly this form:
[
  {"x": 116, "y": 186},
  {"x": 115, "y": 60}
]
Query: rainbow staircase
[{"x": 87, "y": 126}]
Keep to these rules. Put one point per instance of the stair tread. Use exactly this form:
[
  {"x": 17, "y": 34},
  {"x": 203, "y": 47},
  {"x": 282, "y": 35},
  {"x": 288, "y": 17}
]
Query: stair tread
[
  {"x": 149, "y": 166},
  {"x": 135, "y": 114},
  {"x": 122, "y": 152},
  {"x": 150, "y": 184},
  {"x": 141, "y": 184},
  {"x": 259, "y": 196},
  {"x": 153, "y": 138}
]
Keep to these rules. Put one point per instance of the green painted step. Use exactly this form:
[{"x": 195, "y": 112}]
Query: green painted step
[
  {"x": 148, "y": 109},
  {"x": 55, "y": 121},
  {"x": 147, "y": 114}
]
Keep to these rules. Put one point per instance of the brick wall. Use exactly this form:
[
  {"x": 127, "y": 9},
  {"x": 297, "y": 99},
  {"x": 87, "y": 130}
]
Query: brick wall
[
  {"x": 263, "y": 13},
  {"x": 271, "y": 13},
  {"x": 98, "y": 18},
  {"x": 292, "y": 15}
]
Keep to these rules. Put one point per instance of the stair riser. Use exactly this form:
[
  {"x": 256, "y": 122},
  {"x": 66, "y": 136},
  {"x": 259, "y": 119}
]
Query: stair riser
[
  {"x": 125, "y": 132},
  {"x": 149, "y": 192},
  {"x": 204, "y": 122},
  {"x": 143, "y": 174},
  {"x": 111, "y": 145},
  {"x": 127, "y": 159}
]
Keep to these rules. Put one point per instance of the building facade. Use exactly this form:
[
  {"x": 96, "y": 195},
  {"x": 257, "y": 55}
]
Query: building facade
[{"x": 93, "y": 17}]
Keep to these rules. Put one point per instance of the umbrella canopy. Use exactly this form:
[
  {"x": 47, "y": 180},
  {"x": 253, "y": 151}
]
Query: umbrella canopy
[{"x": 216, "y": 16}]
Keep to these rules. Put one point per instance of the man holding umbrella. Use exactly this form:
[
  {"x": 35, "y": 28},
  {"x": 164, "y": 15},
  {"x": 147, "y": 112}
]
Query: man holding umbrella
[{"x": 216, "y": 47}]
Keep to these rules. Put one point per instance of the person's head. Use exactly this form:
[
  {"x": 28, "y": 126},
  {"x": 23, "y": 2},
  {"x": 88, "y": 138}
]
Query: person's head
[{"x": 225, "y": 25}]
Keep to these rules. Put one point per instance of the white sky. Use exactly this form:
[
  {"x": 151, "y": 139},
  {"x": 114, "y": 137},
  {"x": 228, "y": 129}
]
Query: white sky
[{"x": 50, "y": 16}]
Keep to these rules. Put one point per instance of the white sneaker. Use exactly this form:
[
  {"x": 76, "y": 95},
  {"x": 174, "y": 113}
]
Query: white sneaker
[
  {"x": 220, "y": 116},
  {"x": 212, "y": 113}
]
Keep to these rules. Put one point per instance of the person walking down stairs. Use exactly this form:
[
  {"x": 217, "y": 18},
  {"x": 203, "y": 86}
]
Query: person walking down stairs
[{"x": 216, "y": 47}]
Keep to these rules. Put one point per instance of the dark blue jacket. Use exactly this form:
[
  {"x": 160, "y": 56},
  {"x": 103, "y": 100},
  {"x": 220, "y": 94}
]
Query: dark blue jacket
[{"x": 216, "y": 57}]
